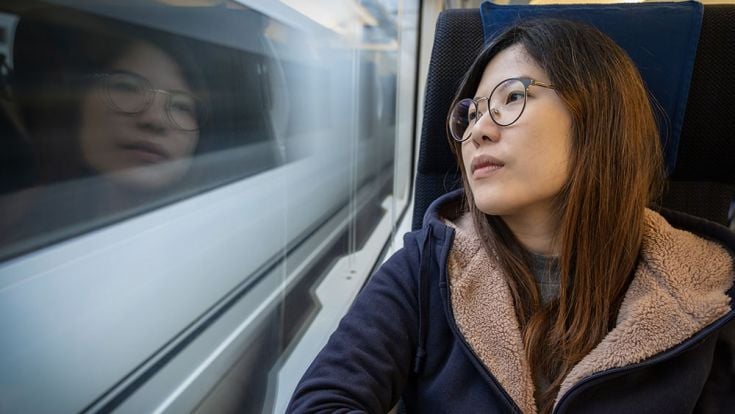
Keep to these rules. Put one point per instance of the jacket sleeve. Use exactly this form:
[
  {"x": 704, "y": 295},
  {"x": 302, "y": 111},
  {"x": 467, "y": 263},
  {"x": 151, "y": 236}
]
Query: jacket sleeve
[
  {"x": 367, "y": 360},
  {"x": 718, "y": 395}
]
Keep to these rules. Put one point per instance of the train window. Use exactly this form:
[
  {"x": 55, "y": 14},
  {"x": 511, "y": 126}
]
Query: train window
[
  {"x": 186, "y": 187},
  {"x": 104, "y": 119}
]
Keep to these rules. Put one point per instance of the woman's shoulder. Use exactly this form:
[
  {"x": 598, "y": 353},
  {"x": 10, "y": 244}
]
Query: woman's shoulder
[
  {"x": 688, "y": 263},
  {"x": 674, "y": 222},
  {"x": 670, "y": 234},
  {"x": 689, "y": 251}
]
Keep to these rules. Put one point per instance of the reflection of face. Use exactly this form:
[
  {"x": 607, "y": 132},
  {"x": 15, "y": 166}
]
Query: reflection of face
[
  {"x": 524, "y": 165},
  {"x": 143, "y": 150}
]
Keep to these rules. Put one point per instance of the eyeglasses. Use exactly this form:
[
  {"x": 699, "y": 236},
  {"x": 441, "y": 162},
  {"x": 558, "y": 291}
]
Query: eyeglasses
[
  {"x": 133, "y": 94},
  {"x": 505, "y": 105}
]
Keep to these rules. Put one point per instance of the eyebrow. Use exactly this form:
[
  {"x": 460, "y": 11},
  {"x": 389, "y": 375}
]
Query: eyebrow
[{"x": 487, "y": 94}]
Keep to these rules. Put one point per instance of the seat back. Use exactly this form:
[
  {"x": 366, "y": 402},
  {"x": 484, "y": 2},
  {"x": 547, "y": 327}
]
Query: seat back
[{"x": 703, "y": 180}]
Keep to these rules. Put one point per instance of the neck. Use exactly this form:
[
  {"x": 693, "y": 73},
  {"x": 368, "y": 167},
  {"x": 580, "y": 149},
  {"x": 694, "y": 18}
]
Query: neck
[{"x": 535, "y": 232}]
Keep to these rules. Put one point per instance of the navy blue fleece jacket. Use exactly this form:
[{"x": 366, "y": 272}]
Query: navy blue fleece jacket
[{"x": 430, "y": 330}]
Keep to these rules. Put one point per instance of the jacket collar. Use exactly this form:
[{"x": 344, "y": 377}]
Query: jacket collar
[
  {"x": 448, "y": 207},
  {"x": 445, "y": 207}
]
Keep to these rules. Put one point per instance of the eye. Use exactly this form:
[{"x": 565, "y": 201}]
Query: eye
[
  {"x": 183, "y": 104},
  {"x": 124, "y": 85},
  {"x": 471, "y": 114},
  {"x": 514, "y": 96}
]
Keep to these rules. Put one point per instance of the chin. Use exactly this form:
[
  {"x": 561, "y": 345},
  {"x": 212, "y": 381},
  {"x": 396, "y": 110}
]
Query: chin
[
  {"x": 491, "y": 202},
  {"x": 492, "y": 207},
  {"x": 150, "y": 178}
]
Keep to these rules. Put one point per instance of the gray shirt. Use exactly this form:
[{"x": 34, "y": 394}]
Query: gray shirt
[{"x": 545, "y": 270}]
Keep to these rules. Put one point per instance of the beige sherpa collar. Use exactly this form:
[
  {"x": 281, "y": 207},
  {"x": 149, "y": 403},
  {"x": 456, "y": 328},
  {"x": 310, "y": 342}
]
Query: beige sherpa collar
[{"x": 678, "y": 289}]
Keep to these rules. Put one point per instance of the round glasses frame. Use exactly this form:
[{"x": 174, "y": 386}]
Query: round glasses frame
[
  {"x": 148, "y": 95},
  {"x": 468, "y": 103}
]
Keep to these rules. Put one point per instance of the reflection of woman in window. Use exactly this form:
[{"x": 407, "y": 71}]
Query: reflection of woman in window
[
  {"x": 101, "y": 97},
  {"x": 114, "y": 113},
  {"x": 546, "y": 284},
  {"x": 140, "y": 120}
]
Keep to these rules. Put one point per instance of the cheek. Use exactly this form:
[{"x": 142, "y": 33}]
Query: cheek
[
  {"x": 549, "y": 164},
  {"x": 94, "y": 122},
  {"x": 466, "y": 158},
  {"x": 186, "y": 142},
  {"x": 551, "y": 141}
]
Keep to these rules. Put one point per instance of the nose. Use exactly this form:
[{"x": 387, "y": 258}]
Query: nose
[
  {"x": 485, "y": 129},
  {"x": 153, "y": 118}
]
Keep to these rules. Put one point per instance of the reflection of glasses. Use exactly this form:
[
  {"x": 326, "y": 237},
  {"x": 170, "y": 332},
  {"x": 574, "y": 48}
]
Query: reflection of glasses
[
  {"x": 505, "y": 105},
  {"x": 133, "y": 94}
]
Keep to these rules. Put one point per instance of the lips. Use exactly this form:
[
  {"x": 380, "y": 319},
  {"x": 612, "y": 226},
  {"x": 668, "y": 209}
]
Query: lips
[
  {"x": 147, "y": 151},
  {"x": 484, "y": 164}
]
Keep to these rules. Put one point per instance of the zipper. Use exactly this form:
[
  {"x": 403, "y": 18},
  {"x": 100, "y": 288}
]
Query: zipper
[
  {"x": 662, "y": 357},
  {"x": 475, "y": 360}
]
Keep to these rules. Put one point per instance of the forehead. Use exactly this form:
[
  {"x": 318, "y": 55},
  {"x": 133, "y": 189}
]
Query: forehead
[
  {"x": 511, "y": 62},
  {"x": 153, "y": 64}
]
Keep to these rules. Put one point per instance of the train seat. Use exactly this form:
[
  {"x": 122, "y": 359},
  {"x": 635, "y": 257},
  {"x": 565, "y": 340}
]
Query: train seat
[{"x": 700, "y": 151}]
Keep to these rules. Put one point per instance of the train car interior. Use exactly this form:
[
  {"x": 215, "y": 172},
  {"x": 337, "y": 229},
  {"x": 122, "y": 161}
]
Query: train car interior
[{"x": 194, "y": 192}]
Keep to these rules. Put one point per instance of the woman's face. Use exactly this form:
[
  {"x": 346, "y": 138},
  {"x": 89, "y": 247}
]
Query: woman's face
[
  {"x": 515, "y": 171},
  {"x": 144, "y": 150}
]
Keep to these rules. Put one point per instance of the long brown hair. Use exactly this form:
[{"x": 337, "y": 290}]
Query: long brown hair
[{"x": 616, "y": 169}]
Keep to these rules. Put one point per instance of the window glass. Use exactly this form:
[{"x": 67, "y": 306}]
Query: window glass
[
  {"x": 180, "y": 181},
  {"x": 106, "y": 118}
]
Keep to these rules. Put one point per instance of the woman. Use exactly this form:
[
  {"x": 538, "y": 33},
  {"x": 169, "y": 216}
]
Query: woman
[
  {"x": 546, "y": 284},
  {"x": 114, "y": 116},
  {"x": 140, "y": 120},
  {"x": 100, "y": 97}
]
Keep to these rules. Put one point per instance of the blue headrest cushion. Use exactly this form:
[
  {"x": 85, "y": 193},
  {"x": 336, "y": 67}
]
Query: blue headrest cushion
[{"x": 661, "y": 38}]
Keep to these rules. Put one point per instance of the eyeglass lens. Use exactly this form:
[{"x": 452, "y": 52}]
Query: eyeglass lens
[
  {"x": 133, "y": 94},
  {"x": 505, "y": 105}
]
